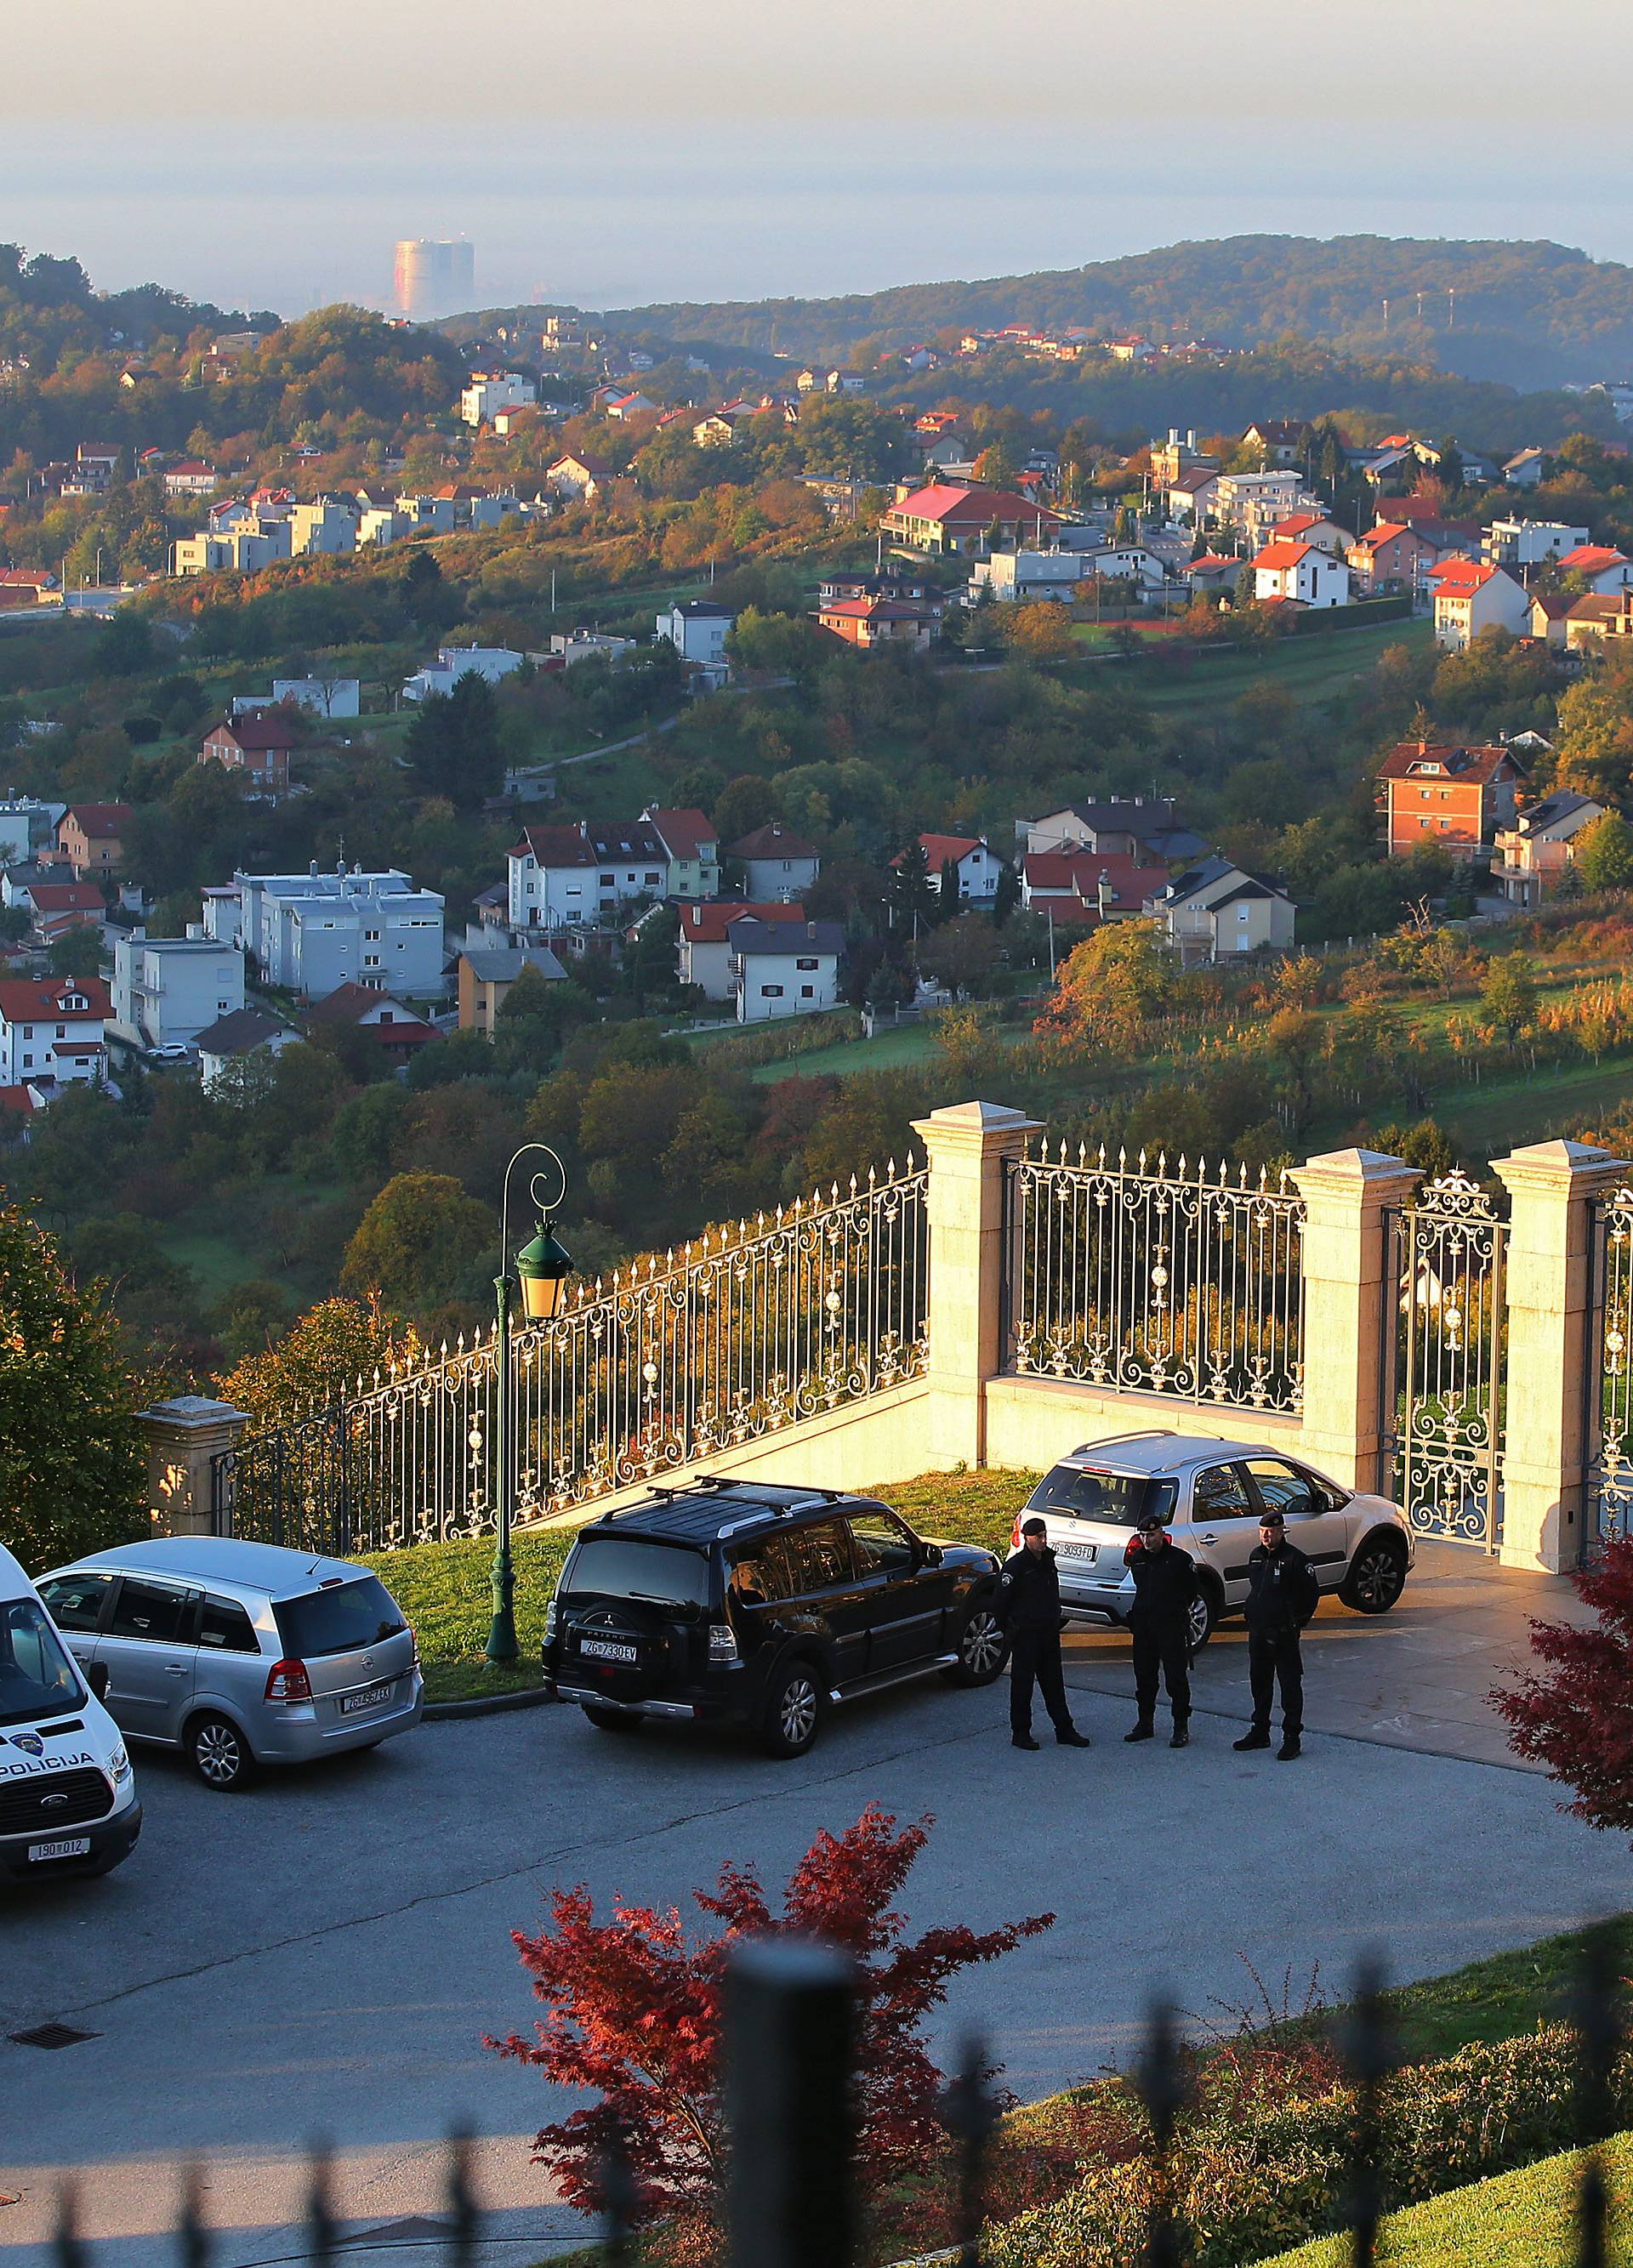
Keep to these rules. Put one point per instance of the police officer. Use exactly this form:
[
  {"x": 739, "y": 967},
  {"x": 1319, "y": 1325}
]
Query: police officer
[
  {"x": 1282, "y": 1594},
  {"x": 1159, "y": 1621},
  {"x": 1029, "y": 1610}
]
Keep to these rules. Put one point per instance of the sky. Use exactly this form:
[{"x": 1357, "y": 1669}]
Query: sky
[{"x": 260, "y": 155}]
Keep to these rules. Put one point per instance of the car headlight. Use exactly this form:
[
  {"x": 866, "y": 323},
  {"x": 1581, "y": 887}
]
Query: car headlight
[{"x": 119, "y": 1766}]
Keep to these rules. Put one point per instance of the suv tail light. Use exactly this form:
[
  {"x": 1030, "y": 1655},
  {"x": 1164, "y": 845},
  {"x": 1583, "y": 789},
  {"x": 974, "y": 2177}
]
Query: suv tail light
[
  {"x": 723, "y": 1643},
  {"x": 287, "y": 1681},
  {"x": 1015, "y": 1536}
]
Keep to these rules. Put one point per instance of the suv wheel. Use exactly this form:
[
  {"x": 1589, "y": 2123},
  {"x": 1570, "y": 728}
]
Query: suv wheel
[
  {"x": 219, "y": 1753},
  {"x": 1204, "y": 1615},
  {"x": 981, "y": 1648},
  {"x": 1376, "y": 1575},
  {"x": 613, "y": 1720},
  {"x": 793, "y": 1710}
]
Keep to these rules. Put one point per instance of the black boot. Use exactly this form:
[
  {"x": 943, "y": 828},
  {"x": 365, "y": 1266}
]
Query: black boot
[
  {"x": 1182, "y": 1736},
  {"x": 1143, "y": 1731},
  {"x": 1071, "y": 1738},
  {"x": 1022, "y": 1741},
  {"x": 1253, "y": 1739},
  {"x": 1290, "y": 1749}
]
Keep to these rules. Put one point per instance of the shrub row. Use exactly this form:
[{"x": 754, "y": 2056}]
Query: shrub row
[{"x": 790, "y": 1035}]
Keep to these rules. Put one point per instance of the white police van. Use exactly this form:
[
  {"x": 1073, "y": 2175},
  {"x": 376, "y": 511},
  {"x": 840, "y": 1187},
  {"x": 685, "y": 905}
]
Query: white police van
[{"x": 68, "y": 1800}]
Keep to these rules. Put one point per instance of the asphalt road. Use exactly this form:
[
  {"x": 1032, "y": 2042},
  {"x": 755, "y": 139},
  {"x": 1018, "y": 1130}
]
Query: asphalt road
[{"x": 322, "y": 1956}]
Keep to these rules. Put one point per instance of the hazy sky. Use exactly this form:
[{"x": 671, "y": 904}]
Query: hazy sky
[{"x": 267, "y": 152}]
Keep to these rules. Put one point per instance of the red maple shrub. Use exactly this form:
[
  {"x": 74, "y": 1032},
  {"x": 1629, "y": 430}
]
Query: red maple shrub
[
  {"x": 1577, "y": 1719},
  {"x": 635, "y": 2017}
]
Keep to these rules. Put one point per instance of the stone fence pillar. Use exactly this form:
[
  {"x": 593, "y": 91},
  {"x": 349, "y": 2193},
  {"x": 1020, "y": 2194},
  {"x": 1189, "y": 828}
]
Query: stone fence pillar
[
  {"x": 1552, "y": 1345},
  {"x": 969, "y": 1145},
  {"x": 182, "y": 1436},
  {"x": 1346, "y": 1300}
]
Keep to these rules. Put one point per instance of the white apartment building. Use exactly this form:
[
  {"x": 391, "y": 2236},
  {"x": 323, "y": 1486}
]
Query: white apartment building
[
  {"x": 1286, "y": 569},
  {"x": 491, "y": 390},
  {"x": 168, "y": 989},
  {"x": 454, "y": 662},
  {"x": 568, "y": 877},
  {"x": 314, "y": 931},
  {"x": 1527, "y": 542},
  {"x": 323, "y": 527},
  {"x": 785, "y": 967},
  {"x": 52, "y": 1028},
  {"x": 697, "y": 628}
]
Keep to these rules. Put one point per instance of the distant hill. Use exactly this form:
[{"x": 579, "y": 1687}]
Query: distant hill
[{"x": 1531, "y": 314}]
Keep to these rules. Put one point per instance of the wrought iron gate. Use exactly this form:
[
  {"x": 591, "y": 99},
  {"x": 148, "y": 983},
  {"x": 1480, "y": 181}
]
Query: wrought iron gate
[
  {"x": 1444, "y": 1361},
  {"x": 1607, "y": 1415}
]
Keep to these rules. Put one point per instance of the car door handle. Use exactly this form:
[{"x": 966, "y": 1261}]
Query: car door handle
[
  {"x": 175, "y": 1669},
  {"x": 1210, "y": 1539}
]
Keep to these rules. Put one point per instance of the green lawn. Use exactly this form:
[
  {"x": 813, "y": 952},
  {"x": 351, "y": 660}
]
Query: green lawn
[
  {"x": 1522, "y": 2219},
  {"x": 1312, "y": 668},
  {"x": 1498, "y": 1114},
  {"x": 891, "y": 1050}
]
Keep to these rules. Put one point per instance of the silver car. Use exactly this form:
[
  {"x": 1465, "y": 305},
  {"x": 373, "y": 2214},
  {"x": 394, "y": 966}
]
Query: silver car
[
  {"x": 238, "y": 1654},
  {"x": 1211, "y": 1493}
]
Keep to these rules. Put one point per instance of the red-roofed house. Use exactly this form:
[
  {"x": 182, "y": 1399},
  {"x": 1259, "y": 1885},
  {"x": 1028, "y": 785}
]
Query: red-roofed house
[
  {"x": 192, "y": 478},
  {"x": 1088, "y": 886},
  {"x": 88, "y": 838},
  {"x": 51, "y": 1029},
  {"x": 25, "y": 586},
  {"x": 977, "y": 866},
  {"x": 257, "y": 745},
  {"x": 1390, "y": 556},
  {"x": 399, "y": 1033},
  {"x": 693, "y": 845},
  {"x": 1315, "y": 527},
  {"x": 579, "y": 477},
  {"x": 1601, "y": 569},
  {"x": 18, "y": 1106},
  {"x": 1470, "y": 597},
  {"x": 61, "y": 906},
  {"x": 869, "y": 621},
  {"x": 1289, "y": 568},
  {"x": 944, "y": 517},
  {"x": 1456, "y": 797},
  {"x": 705, "y": 951}
]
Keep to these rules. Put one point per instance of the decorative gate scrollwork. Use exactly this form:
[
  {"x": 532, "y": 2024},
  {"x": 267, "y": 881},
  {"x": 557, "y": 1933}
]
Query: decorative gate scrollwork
[{"x": 1609, "y": 1397}]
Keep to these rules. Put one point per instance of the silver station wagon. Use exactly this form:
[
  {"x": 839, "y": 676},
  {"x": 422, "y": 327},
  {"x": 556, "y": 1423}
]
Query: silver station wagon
[
  {"x": 238, "y": 1654},
  {"x": 1211, "y": 1494}
]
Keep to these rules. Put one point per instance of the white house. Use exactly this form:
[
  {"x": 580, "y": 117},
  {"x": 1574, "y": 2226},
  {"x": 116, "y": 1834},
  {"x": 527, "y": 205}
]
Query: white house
[
  {"x": 571, "y": 877},
  {"x": 776, "y": 862},
  {"x": 168, "y": 989},
  {"x": 1471, "y": 597},
  {"x": 977, "y": 866},
  {"x": 244, "y": 1032},
  {"x": 326, "y": 526},
  {"x": 491, "y": 390},
  {"x": 697, "y": 629},
  {"x": 578, "y": 478},
  {"x": 704, "y": 953},
  {"x": 454, "y": 662},
  {"x": 52, "y": 1028},
  {"x": 314, "y": 931},
  {"x": 323, "y": 697},
  {"x": 1603, "y": 570},
  {"x": 1218, "y": 908},
  {"x": 1527, "y": 542},
  {"x": 1289, "y": 568},
  {"x": 785, "y": 968}
]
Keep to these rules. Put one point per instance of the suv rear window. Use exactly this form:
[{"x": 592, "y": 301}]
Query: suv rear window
[
  {"x": 633, "y": 1567},
  {"x": 337, "y": 1621},
  {"x": 1122, "y": 1499}
]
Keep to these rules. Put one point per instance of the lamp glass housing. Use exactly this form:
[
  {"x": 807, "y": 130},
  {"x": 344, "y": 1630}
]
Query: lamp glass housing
[{"x": 542, "y": 1269}]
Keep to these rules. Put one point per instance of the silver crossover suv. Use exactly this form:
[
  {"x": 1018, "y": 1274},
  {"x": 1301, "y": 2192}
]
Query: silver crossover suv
[
  {"x": 1211, "y": 1492},
  {"x": 238, "y": 1654}
]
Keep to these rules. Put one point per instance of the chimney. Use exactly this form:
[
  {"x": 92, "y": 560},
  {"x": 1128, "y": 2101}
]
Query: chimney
[
  {"x": 312, "y": 871},
  {"x": 811, "y": 932}
]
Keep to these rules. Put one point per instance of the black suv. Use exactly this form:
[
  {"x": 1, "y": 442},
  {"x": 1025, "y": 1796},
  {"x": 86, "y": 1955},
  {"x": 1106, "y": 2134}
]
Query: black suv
[{"x": 763, "y": 1606}]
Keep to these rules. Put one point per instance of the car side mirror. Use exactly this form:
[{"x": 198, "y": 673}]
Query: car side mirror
[
  {"x": 96, "y": 1678},
  {"x": 929, "y": 1554}
]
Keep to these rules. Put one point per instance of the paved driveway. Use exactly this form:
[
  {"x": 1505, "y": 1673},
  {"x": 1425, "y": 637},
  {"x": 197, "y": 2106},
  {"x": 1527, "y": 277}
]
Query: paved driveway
[{"x": 321, "y": 1957}]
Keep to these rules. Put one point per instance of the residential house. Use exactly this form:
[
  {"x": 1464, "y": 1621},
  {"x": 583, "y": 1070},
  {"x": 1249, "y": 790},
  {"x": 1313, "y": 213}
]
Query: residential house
[
  {"x": 1535, "y": 854},
  {"x": 1390, "y": 556},
  {"x": 1192, "y": 494},
  {"x": 1178, "y": 454},
  {"x": 776, "y": 862},
  {"x": 19, "y": 1106},
  {"x": 1604, "y": 571},
  {"x": 951, "y": 458},
  {"x": 1596, "y": 618},
  {"x": 976, "y": 865},
  {"x": 565, "y": 876},
  {"x": 26, "y": 821},
  {"x": 1458, "y": 797},
  {"x": 880, "y": 583},
  {"x": 244, "y": 1032},
  {"x": 1470, "y": 598},
  {"x": 485, "y": 974},
  {"x": 1089, "y": 886},
  {"x": 88, "y": 838},
  {"x": 28, "y": 586},
  {"x": 785, "y": 968},
  {"x": 395, "y": 1029},
  {"x": 1301, "y": 574},
  {"x": 692, "y": 846},
  {"x": 325, "y": 526},
  {"x": 1548, "y": 618},
  {"x": 58, "y": 907},
  {"x": 703, "y": 955},
  {"x": 487, "y": 391},
  {"x": 312, "y": 932},
  {"x": 1147, "y": 830},
  {"x": 1524, "y": 469},
  {"x": 1528, "y": 542},
  {"x": 948, "y": 518},
  {"x": 168, "y": 989},
  {"x": 258, "y": 747},
  {"x": 20, "y": 879},
  {"x": 52, "y": 1030},
  {"x": 579, "y": 477},
  {"x": 870, "y": 621},
  {"x": 1316, "y": 527},
  {"x": 453, "y": 662},
  {"x": 697, "y": 628},
  {"x": 1217, "y": 910},
  {"x": 1211, "y": 574},
  {"x": 191, "y": 478},
  {"x": 1279, "y": 440},
  {"x": 1250, "y": 504},
  {"x": 321, "y": 696}
]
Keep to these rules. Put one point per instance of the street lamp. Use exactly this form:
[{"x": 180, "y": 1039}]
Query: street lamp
[{"x": 543, "y": 1267}]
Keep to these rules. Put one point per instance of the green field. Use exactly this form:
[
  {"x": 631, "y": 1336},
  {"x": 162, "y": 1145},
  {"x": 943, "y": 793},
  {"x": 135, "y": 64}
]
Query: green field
[
  {"x": 893, "y": 1050},
  {"x": 1312, "y": 668}
]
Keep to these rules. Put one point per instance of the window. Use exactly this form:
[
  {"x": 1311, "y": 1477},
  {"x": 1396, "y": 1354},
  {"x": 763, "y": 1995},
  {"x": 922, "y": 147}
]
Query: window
[
  {"x": 771, "y": 992},
  {"x": 820, "y": 1555},
  {"x": 76, "y": 1602},
  {"x": 28, "y": 1063},
  {"x": 884, "y": 1544},
  {"x": 339, "y": 1619},
  {"x": 607, "y": 881},
  {"x": 807, "y": 992},
  {"x": 1122, "y": 1498},
  {"x": 634, "y": 1567},
  {"x": 224, "y": 1626},
  {"x": 62, "y": 1031},
  {"x": 650, "y": 878},
  {"x": 1220, "y": 1493},
  {"x": 149, "y": 1610},
  {"x": 37, "y": 1679},
  {"x": 806, "y": 964},
  {"x": 761, "y": 1572}
]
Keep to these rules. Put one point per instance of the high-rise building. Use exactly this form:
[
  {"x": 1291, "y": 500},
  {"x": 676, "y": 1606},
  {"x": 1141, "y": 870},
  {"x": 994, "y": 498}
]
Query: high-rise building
[{"x": 433, "y": 276}]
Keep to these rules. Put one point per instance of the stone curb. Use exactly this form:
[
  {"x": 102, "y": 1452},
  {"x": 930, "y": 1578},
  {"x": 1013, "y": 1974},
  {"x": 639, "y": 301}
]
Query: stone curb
[{"x": 485, "y": 1705}]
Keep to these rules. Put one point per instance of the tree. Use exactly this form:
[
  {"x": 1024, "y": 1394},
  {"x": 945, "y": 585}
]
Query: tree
[
  {"x": 71, "y": 1454},
  {"x": 1039, "y": 630},
  {"x": 453, "y": 745},
  {"x": 742, "y": 804},
  {"x": 1508, "y": 996},
  {"x": 634, "y": 2017},
  {"x": 782, "y": 646},
  {"x": 912, "y": 898},
  {"x": 318, "y": 1362},
  {"x": 419, "y": 1246},
  {"x": 1008, "y": 895},
  {"x": 1604, "y": 859},
  {"x": 76, "y": 951},
  {"x": 961, "y": 955},
  {"x": 1109, "y": 988},
  {"x": 124, "y": 646},
  {"x": 1577, "y": 1719}
]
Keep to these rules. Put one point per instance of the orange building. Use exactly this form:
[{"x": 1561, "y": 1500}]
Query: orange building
[
  {"x": 88, "y": 838},
  {"x": 1431, "y": 791}
]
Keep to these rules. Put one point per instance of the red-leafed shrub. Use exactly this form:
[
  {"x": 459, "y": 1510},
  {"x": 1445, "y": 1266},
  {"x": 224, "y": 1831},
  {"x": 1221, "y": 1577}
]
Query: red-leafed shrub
[
  {"x": 634, "y": 2016},
  {"x": 1577, "y": 1717}
]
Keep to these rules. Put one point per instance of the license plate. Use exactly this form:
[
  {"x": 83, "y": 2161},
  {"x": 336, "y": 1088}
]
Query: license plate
[
  {"x": 352, "y": 1702},
  {"x": 71, "y": 1846},
  {"x": 607, "y": 1649},
  {"x": 1086, "y": 1551}
]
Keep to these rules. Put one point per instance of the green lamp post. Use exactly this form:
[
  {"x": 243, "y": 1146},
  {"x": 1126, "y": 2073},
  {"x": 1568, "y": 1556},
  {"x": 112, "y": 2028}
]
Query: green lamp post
[{"x": 542, "y": 1269}]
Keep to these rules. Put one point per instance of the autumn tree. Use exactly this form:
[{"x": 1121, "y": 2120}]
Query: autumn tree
[
  {"x": 1508, "y": 996},
  {"x": 420, "y": 1245},
  {"x": 1109, "y": 988},
  {"x": 1039, "y": 630},
  {"x": 634, "y": 2008},
  {"x": 1604, "y": 853},
  {"x": 1576, "y": 1716},
  {"x": 318, "y": 1362}
]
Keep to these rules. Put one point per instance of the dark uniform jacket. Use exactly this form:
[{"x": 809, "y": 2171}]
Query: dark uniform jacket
[
  {"x": 1164, "y": 1586},
  {"x": 1029, "y": 1592},
  {"x": 1282, "y": 1590}
]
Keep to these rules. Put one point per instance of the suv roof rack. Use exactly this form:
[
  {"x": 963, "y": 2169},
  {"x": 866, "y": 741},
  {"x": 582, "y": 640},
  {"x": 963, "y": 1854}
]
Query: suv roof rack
[{"x": 1141, "y": 1434}]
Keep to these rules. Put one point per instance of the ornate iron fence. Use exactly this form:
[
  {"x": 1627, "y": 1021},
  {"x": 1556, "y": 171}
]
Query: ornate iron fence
[
  {"x": 1608, "y": 1413},
  {"x": 1186, "y": 1282},
  {"x": 750, "y": 1330},
  {"x": 1444, "y": 1361}
]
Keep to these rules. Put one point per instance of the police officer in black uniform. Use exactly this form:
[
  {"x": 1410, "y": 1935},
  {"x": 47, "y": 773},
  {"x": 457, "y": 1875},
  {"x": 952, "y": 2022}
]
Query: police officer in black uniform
[
  {"x": 1029, "y": 1610},
  {"x": 1282, "y": 1594},
  {"x": 1159, "y": 1621}
]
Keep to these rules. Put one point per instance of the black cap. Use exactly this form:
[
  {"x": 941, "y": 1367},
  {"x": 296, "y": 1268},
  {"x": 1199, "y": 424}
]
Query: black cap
[
  {"x": 1034, "y": 1527},
  {"x": 1271, "y": 1518}
]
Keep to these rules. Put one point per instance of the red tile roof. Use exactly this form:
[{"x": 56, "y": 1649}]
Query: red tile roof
[
  {"x": 938, "y": 848},
  {"x": 705, "y": 922},
  {"x": 1592, "y": 558},
  {"x": 684, "y": 833},
  {"x": 65, "y": 897},
  {"x": 772, "y": 842},
  {"x": 555, "y": 846},
  {"x": 39, "y": 999},
  {"x": 97, "y": 819},
  {"x": 1280, "y": 554},
  {"x": 1476, "y": 767},
  {"x": 350, "y": 1002},
  {"x": 1076, "y": 874},
  {"x": 942, "y": 501},
  {"x": 262, "y": 728}
]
